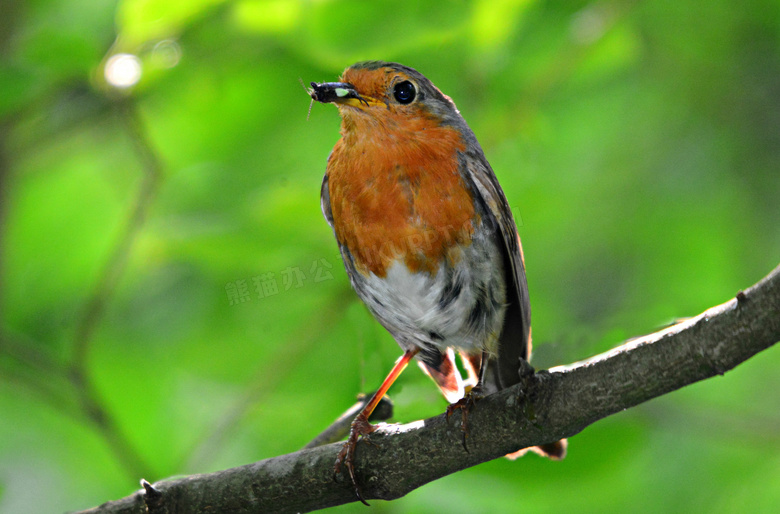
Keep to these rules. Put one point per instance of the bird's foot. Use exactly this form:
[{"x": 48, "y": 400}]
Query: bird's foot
[
  {"x": 360, "y": 427},
  {"x": 465, "y": 404}
]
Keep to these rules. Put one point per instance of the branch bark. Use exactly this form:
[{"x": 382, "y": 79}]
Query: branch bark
[{"x": 547, "y": 406}]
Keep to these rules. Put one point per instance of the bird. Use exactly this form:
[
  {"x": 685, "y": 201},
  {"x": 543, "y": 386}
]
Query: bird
[{"x": 427, "y": 238}]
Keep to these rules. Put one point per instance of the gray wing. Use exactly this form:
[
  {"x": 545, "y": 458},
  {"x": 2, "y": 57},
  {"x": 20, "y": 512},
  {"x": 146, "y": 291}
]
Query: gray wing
[
  {"x": 325, "y": 201},
  {"x": 515, "y": 340}
]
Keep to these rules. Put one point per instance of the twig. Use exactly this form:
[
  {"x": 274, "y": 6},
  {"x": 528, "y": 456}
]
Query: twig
[
  {"x": 115, "y": 266},
  {"x": 91, "y": 404},
  {"x": 262, "y": 384},
  {"x": 340, "y": 428}
]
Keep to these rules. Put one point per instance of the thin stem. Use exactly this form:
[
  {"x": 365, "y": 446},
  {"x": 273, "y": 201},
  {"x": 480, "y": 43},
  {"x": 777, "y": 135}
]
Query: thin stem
[{"x": 89, "y": 399}]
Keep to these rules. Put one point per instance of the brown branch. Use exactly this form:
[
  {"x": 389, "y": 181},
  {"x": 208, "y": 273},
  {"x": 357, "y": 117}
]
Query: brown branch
[{"x": 549, "y": 405}]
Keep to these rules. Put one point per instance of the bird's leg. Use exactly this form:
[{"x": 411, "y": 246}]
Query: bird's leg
[
  {"x": 469, "y": 400},
  {"x": 360, "y": 426}
]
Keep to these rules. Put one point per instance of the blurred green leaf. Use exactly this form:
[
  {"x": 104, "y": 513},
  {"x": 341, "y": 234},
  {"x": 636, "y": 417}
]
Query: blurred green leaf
[{"x": 141, "y": 21}]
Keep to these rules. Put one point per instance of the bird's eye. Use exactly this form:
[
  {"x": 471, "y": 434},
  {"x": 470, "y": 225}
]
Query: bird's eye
[{"x": 404, "y": 92}]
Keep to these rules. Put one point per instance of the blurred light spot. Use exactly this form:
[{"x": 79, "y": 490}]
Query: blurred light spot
[
  {"x": 123, "y": 70},
  {"x": 166, "y": 53},
  {"x": 588, "y": 25}
]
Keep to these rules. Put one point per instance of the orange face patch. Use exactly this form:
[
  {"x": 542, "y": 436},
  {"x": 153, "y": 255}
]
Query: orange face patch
[
  {"x": 372, "y": 83},
  {"x": 407, "y": 200}
]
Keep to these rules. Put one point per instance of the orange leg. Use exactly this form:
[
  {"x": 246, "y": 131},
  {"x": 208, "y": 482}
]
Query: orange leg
[{"x": 361, "y": 426}]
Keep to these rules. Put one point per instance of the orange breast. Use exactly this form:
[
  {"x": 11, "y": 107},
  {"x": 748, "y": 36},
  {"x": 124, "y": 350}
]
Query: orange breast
[{"x": 396, "y": 192}]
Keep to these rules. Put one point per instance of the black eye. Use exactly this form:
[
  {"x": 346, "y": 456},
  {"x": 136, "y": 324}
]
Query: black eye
[{"x": 404, "y": 92}]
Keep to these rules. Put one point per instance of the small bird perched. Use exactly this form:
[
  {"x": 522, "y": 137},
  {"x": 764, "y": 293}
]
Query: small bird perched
[{"x": 426, "y": 235}]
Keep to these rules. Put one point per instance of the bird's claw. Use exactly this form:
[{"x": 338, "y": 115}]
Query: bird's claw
[
  {"x": 360, "y": 427},
  {"x": 465, "y": 404}
]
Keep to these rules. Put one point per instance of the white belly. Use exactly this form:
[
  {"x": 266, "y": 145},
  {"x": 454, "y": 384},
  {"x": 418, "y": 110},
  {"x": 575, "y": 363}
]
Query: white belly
[{"x": 461, "y": 306}]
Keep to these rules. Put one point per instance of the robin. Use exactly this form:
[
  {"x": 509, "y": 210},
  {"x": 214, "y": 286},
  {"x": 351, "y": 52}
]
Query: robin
[{"x": 427, "y": 237}]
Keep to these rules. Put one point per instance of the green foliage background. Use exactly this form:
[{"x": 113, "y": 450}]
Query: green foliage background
[{"x": 638, "y": 143}]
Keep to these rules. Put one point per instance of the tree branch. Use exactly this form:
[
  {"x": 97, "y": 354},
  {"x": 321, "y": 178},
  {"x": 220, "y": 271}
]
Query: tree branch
[{"x": 547, "y": 406}]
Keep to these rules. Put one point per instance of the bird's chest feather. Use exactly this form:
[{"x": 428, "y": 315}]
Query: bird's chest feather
[{"x": 398, "y": 195}]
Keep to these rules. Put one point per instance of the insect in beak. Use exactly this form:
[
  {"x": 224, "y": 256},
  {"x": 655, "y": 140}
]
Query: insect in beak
[{"x": 335, "y": 92}]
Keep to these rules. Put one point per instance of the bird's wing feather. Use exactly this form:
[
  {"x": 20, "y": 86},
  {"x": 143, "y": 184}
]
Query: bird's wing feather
[
  {"x": 515, "y": 340},
  {"x": 325, "y": 201}
]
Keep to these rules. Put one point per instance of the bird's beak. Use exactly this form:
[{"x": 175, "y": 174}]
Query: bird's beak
[{"x": 341, "y": 93}]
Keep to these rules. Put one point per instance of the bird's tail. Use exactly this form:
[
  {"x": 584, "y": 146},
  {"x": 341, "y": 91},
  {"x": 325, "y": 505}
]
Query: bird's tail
[{"x": 554, "y": 451}]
